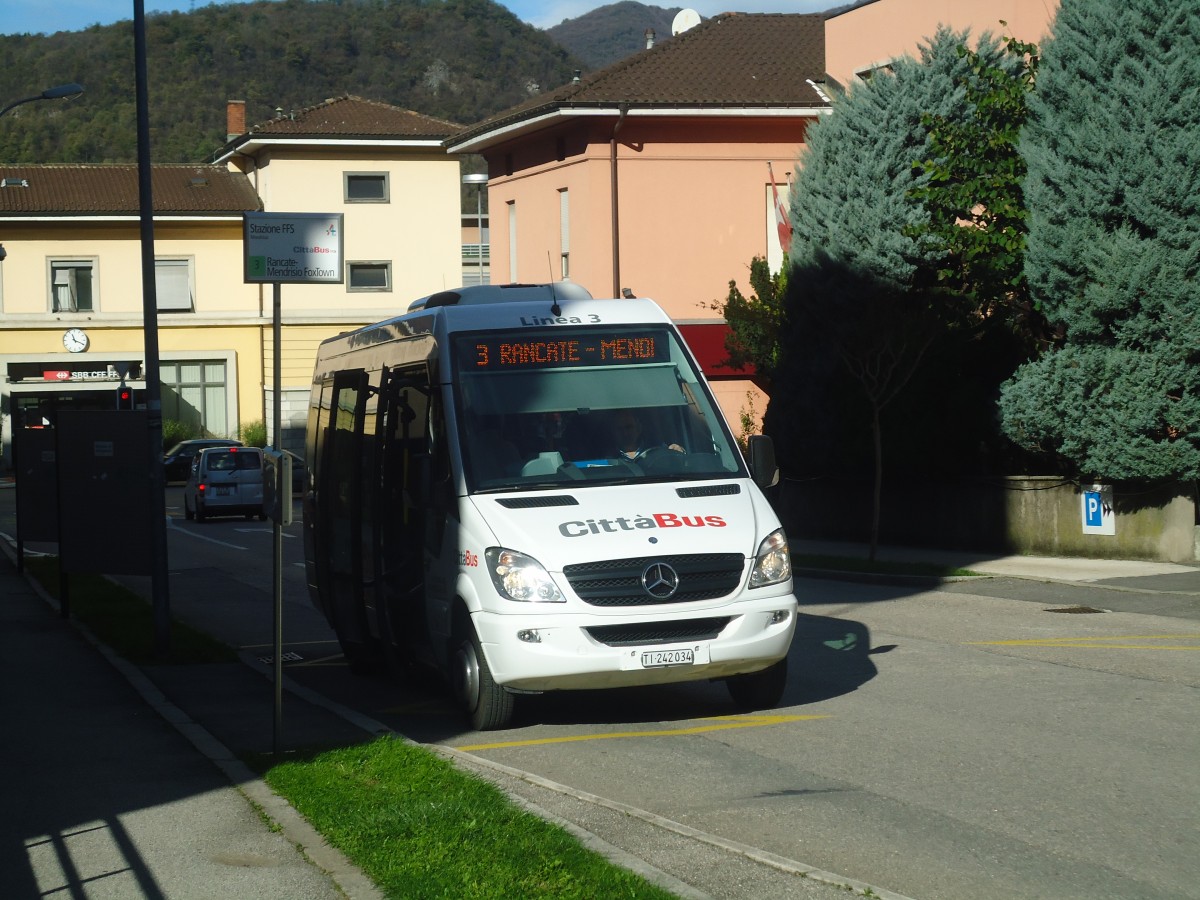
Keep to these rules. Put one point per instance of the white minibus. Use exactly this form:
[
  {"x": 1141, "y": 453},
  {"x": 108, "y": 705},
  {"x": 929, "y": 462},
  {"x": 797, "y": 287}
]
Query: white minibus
[{"x": 533, "y": 490}]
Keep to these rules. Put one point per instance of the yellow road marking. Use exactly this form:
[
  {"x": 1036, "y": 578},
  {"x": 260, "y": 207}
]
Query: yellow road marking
[
  {"x": 1126, "y": 642},
  {"x": 720, "y": 723}
]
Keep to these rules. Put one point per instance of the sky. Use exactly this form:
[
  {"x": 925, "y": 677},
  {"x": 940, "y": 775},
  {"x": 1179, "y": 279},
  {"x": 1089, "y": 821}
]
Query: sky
[{"x": 42, "y": 17}]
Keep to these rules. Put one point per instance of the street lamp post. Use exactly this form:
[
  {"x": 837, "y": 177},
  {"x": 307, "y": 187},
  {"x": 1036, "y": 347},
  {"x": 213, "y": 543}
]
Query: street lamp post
[
  {"x": 61, "y": 92},
  {"x": 480, "y": 181}
]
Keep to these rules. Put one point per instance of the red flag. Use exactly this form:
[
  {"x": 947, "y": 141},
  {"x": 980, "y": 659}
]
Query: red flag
[{"x": 782, "y": 224}]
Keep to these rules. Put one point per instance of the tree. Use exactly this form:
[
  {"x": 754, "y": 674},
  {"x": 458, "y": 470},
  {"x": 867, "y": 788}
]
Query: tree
[
  {"x": 1113, "y": 252},
  {"x": 756, "y": 322},
  {"x": 972, "y": 192},
  {"x": 861, "y": 287}
]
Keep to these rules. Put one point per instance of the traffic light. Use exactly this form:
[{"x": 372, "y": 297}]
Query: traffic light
[{"x": 124, "y": 397}]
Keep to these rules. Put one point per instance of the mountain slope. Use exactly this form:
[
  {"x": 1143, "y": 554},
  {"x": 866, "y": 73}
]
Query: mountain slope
[
  {"x": 613, "y": 32},
  {"x": 459, "y": 60}
]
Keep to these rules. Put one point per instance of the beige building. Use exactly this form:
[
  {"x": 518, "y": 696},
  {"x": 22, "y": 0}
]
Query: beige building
[
  {"x": 71, "y": 318},
  {"x": 71, "y": 301}
]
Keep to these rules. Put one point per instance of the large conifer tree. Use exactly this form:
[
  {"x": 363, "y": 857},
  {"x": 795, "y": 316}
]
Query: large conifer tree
[
  {"x": 865, "y": 298},
  {"x": 1112, "y": 147}
]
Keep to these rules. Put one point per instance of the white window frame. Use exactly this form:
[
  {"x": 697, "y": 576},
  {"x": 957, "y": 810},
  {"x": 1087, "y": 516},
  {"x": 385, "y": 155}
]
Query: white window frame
[
  {"x": 512, "y": 241},
  {"x": 383, "y": 178},
  {"x": 564, "y": 234},
  {"x": 774, "y": 251},
  {"x": 175, "y": 291},
  {"x": 374, "y": 264},
  {"x": 57, "y": 269}
]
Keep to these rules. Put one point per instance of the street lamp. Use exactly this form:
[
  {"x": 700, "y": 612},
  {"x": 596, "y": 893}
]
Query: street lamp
[
  {"x": 62, "y": 91},
  {"x": 480, "y": 181}
]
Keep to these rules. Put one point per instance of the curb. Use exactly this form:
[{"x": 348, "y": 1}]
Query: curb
[
  {"x": 897, "y": 579},
  {"x": 346, "y": 877}
]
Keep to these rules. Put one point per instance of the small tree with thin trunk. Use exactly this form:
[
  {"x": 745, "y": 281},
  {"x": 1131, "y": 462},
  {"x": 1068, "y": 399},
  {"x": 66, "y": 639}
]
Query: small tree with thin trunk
[{"x": 870, "y": 257}]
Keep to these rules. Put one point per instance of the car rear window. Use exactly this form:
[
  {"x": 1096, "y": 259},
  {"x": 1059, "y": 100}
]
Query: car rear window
[{"x": 228, "y": 460}]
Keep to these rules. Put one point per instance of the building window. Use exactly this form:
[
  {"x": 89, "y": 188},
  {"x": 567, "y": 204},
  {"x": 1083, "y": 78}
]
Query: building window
[
  {"x": 369, "y": 276},
  {"x": 866, "y": 73},
  {"x": 512, "y": 241},
  {"x": 195, "y": 393},
  {"x": 772, "y": 231},
  {"x": 564, "y": 233},
  {"x": 476, "y": 254},
  {"x": 173, "y": 285},
  {"x": 72, "y": 285},
  {"x": 366, "y": 187}
]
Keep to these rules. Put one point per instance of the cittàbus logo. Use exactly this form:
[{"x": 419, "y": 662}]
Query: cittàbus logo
[{"x": 636, "y": 523}]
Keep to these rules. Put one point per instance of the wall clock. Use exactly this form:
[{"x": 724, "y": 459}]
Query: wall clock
[{"x": 75, "y": 340}]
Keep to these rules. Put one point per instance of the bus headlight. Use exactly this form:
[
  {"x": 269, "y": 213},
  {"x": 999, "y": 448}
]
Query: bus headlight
[
  {"x": 520, "y": 577},
  {"x": 773, "y": 563}
]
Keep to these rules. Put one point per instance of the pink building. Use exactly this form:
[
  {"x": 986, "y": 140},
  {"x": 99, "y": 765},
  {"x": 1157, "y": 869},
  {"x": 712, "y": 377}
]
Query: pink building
[
  {"x": 654, "y": 176},
  {"x": 869, "y": 36}
]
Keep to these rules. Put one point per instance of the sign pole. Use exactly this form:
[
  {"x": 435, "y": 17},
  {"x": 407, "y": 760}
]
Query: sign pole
[{"x": 292, "y": 248}]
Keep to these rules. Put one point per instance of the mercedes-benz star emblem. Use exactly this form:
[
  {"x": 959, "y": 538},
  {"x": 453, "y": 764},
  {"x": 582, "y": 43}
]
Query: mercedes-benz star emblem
[{"x": 660, "y": 581}]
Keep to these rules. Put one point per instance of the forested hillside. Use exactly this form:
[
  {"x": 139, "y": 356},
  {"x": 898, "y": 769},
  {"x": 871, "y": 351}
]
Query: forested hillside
[{"x": 460, "y": 60}]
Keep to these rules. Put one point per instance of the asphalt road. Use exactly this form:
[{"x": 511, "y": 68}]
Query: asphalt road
[{"x": 964, "y": 741}]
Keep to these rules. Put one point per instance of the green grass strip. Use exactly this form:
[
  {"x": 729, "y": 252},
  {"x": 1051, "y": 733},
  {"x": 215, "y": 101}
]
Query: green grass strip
[
  {"x": 124, "y": 621},
  {"x": 419, "y": 828}
]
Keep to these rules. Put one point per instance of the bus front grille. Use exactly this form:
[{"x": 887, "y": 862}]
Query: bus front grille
[
  {"x": 622, "y": 582},
  {"x": 644, "y": 633}
]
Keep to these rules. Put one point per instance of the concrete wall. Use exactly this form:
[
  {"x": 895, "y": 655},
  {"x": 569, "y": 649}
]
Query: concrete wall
[{"x": 1038, "y": 516}]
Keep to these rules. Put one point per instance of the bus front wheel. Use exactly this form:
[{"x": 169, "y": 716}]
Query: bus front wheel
[
  {"x": 759, "y": 690},
  {"x": 488, "y": 706}
]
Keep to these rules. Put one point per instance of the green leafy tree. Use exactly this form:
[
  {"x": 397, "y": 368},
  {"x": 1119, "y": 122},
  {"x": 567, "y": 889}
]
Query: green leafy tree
[
  {"x": 756, "y": 322},
  {"x": 1113, "y": 252},
  {"x": 864, "y": 292},
  {"x": 972, "y": 184}
]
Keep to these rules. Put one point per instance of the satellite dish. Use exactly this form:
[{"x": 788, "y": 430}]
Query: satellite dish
[{"x": 684, "y": 19}]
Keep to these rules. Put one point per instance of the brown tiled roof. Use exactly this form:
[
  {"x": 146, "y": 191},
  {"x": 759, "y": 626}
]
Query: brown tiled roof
[
  {"x": 350, "y": 116},
  {"x": 113, "y": 190},
  {"x": 734, "y": 60}
]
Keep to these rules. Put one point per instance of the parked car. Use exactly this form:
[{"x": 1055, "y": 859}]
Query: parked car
[
  {"x": 225, "y": 481},
  {"x": 177, "y": 462}
]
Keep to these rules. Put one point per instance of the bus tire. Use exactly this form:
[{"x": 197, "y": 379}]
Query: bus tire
[
  {"x": 488, "y": 706},
  {"x": 759, "y": 690},
  {"x": 358, "y": 657}
]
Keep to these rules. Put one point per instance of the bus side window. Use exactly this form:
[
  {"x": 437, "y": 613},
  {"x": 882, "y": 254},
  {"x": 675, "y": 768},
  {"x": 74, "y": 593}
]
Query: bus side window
[
  {"x": 404, "y": 465},
  {"x": 440, "y": 483},
  {"x": 341, "y": 506}
]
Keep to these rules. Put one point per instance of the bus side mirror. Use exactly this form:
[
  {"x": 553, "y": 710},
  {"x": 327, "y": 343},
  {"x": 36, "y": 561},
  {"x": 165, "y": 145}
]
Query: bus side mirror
[{"x": 763, "y": 468}]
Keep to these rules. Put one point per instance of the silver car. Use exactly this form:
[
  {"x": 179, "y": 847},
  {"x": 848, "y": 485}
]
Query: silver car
[{"x": 225, "y": 481}]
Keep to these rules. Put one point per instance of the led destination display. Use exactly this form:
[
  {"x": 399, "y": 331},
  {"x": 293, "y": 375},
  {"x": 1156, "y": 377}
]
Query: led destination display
[{"x": 558, "y": 350}]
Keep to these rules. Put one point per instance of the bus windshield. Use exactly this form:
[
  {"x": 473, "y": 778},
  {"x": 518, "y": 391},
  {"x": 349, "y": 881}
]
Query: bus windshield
[{"x": 570, "y": 405}]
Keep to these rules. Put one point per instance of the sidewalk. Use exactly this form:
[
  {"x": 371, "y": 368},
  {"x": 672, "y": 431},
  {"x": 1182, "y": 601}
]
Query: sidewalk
[
  {"x": 106, "y": 797},
  {"x": 1040, "y": 568}
]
